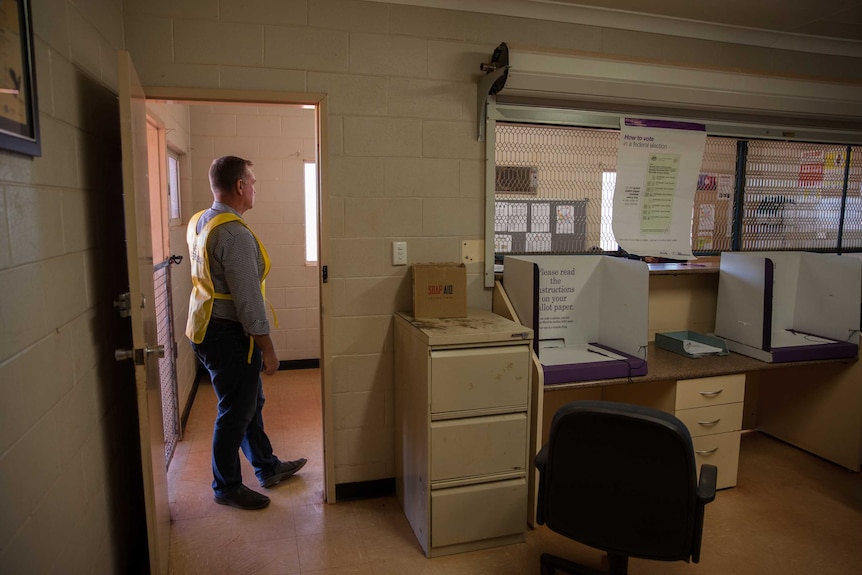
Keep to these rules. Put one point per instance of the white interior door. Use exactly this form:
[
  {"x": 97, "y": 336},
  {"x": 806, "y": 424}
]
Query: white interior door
[{"x": 139, "y": 252}]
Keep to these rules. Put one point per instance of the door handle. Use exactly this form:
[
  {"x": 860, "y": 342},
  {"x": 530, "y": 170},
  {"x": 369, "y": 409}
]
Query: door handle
[{"x": 139, "y": 354}]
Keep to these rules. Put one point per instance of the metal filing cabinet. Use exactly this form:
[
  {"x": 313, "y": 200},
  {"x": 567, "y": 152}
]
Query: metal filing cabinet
[{"x": 462, "y": 394}]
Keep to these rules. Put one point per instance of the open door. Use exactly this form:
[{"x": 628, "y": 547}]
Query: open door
[{"x": 140, "y": 307}]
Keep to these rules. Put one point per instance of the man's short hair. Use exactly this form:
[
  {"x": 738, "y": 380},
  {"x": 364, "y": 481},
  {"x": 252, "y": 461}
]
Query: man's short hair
[{"x": 225, "y": 171}]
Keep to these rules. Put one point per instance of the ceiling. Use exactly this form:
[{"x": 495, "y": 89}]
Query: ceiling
[
  {"x": 826, "y": 27},
  {"x": 830, "y": 19}
]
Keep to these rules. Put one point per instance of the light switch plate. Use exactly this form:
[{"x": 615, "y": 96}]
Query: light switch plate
[{"x": 399, "y": 253}]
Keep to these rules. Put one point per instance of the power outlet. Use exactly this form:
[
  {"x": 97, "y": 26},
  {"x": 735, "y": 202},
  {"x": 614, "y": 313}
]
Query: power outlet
[{"x": 399, "y": 253}]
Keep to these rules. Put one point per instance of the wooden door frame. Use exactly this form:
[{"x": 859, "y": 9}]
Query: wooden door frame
[{"x": 182, "y": 95}]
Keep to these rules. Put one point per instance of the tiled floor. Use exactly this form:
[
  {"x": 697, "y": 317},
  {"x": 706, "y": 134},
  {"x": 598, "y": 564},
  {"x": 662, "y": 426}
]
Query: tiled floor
[{"x": 792, "y": 513}]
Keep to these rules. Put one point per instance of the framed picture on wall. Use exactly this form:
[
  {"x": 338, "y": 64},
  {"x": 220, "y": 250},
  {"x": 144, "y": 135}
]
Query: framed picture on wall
[{"x": 19, "y": 110}]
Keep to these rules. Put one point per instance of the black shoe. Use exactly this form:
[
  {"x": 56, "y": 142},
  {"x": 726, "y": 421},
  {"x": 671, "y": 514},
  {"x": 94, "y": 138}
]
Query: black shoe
[
  {"x": 283, "y": 470},
  {"x": 243, "y": 498}
]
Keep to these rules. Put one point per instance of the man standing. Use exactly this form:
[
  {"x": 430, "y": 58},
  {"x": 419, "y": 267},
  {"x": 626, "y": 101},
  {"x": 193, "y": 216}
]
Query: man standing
[{"x": 229, "y": 331}]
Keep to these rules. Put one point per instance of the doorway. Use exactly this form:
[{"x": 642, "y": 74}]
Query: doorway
[
  {"x": 163, "y": 189},
  {"x": 231, "y": 121}
]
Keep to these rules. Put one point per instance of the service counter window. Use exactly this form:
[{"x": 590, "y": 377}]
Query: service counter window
[{"x": 554, "y": 185}]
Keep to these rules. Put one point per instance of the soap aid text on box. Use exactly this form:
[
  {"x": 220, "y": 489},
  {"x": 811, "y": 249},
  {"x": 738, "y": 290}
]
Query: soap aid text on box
[{"x": 439, "y": 290}]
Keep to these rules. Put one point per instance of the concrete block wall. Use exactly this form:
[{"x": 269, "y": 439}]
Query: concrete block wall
[
  {"x": 71, "y": 499},
  {"x": 404, "y": 160}
]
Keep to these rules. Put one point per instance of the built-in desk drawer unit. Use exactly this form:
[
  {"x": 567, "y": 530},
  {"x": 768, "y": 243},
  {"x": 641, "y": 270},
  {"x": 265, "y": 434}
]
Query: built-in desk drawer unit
[
  {"x": 479, "y": 379},
  {"x": 721, "y": 450},
  {"x": 713, "y": 419},
  {"x": 710, "y": 391},
  {"x": 711, "y": 408}
]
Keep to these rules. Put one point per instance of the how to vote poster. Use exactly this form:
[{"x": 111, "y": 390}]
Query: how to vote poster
[{"x": 658, "y": 166}]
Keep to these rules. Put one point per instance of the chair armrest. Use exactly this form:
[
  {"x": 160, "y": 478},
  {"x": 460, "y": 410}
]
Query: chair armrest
[
  {"x": 541, "y": 459},
  {"x": 706, "y": 486},
  {"x": 705, "y": 494},
  {"x": 541, "y": 462}
]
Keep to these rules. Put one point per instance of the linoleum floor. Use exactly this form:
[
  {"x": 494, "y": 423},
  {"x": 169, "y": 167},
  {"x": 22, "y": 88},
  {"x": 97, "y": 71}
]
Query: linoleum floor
[{"x": 791, "y": 513}]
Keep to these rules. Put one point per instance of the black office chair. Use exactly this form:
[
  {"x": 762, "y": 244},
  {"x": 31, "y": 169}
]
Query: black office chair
[{"x": 622, "y": 478}]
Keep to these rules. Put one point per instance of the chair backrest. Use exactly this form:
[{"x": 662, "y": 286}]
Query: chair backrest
[{"x": 621, "y": 478}]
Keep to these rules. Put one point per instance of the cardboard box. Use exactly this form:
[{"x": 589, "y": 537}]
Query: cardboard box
[{"x": 439, "y": 290}]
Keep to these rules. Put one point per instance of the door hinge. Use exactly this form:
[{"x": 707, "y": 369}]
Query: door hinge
[
  {"x": 124, "y": 304},
  {"x": 324, "y": 271}
]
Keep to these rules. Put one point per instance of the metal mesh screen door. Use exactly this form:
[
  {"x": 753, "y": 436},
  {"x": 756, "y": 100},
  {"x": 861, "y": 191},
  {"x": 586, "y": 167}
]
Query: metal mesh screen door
[{"x": 167, "y": 364}]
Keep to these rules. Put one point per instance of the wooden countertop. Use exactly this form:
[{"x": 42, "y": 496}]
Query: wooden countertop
[{"x": 663, "y": 365}]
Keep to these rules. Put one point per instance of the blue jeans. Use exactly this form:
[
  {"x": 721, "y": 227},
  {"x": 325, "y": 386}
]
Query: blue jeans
[{"x": 239, "y": 423}]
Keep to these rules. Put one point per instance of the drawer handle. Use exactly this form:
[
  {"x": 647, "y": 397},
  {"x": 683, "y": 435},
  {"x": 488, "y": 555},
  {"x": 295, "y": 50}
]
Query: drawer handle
[
  {"x": 711, "y": 393},
  {"x": 707, "y": 423},
  {"x": 706, "y": 451}
]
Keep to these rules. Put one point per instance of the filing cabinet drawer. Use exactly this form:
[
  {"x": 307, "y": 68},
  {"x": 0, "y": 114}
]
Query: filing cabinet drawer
[
  {"x": 713, "y": 419},
  {"x": 480, "y": 378},
  {"x": 710, "y": 391},
  {"x": 476, "y": 512},
  {"x": 478, "y": 446},
  {"x": 721, "y": 450}
]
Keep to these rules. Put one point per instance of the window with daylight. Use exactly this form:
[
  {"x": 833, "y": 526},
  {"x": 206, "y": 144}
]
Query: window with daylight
[
  {"x": 173, "y": 186},
  {"x": 310, "y": 212}
]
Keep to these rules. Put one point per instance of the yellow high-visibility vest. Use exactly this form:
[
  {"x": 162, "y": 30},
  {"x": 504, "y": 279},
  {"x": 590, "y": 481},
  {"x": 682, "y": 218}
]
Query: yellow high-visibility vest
[{"x": 203, "y": 292}]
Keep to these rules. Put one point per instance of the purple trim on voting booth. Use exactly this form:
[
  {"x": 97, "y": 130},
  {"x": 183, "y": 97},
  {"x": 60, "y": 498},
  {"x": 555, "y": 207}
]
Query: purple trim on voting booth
[
  {"x": 631, "y": 366},
  {"x": 768, "y": 287},
  {"x": 535, "y": 325},
  {"x": 667, "y": 124},
  {"x": 836, "y": 350}
]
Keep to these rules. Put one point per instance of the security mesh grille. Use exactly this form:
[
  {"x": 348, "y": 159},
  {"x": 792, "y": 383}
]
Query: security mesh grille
[
  {"x": 167, "y": 367},
  {"x": 571, "y": 209},
  {"x": 565, "y": 214},
  {"x": 712, "y": 220},
  {"x": 793, "y": 196}
]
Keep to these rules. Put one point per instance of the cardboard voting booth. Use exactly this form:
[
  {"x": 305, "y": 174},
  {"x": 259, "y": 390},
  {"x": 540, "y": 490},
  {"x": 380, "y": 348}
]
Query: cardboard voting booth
[
  {"x": 789, "y": 306},
  {"x": 590, "y": 313}
]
